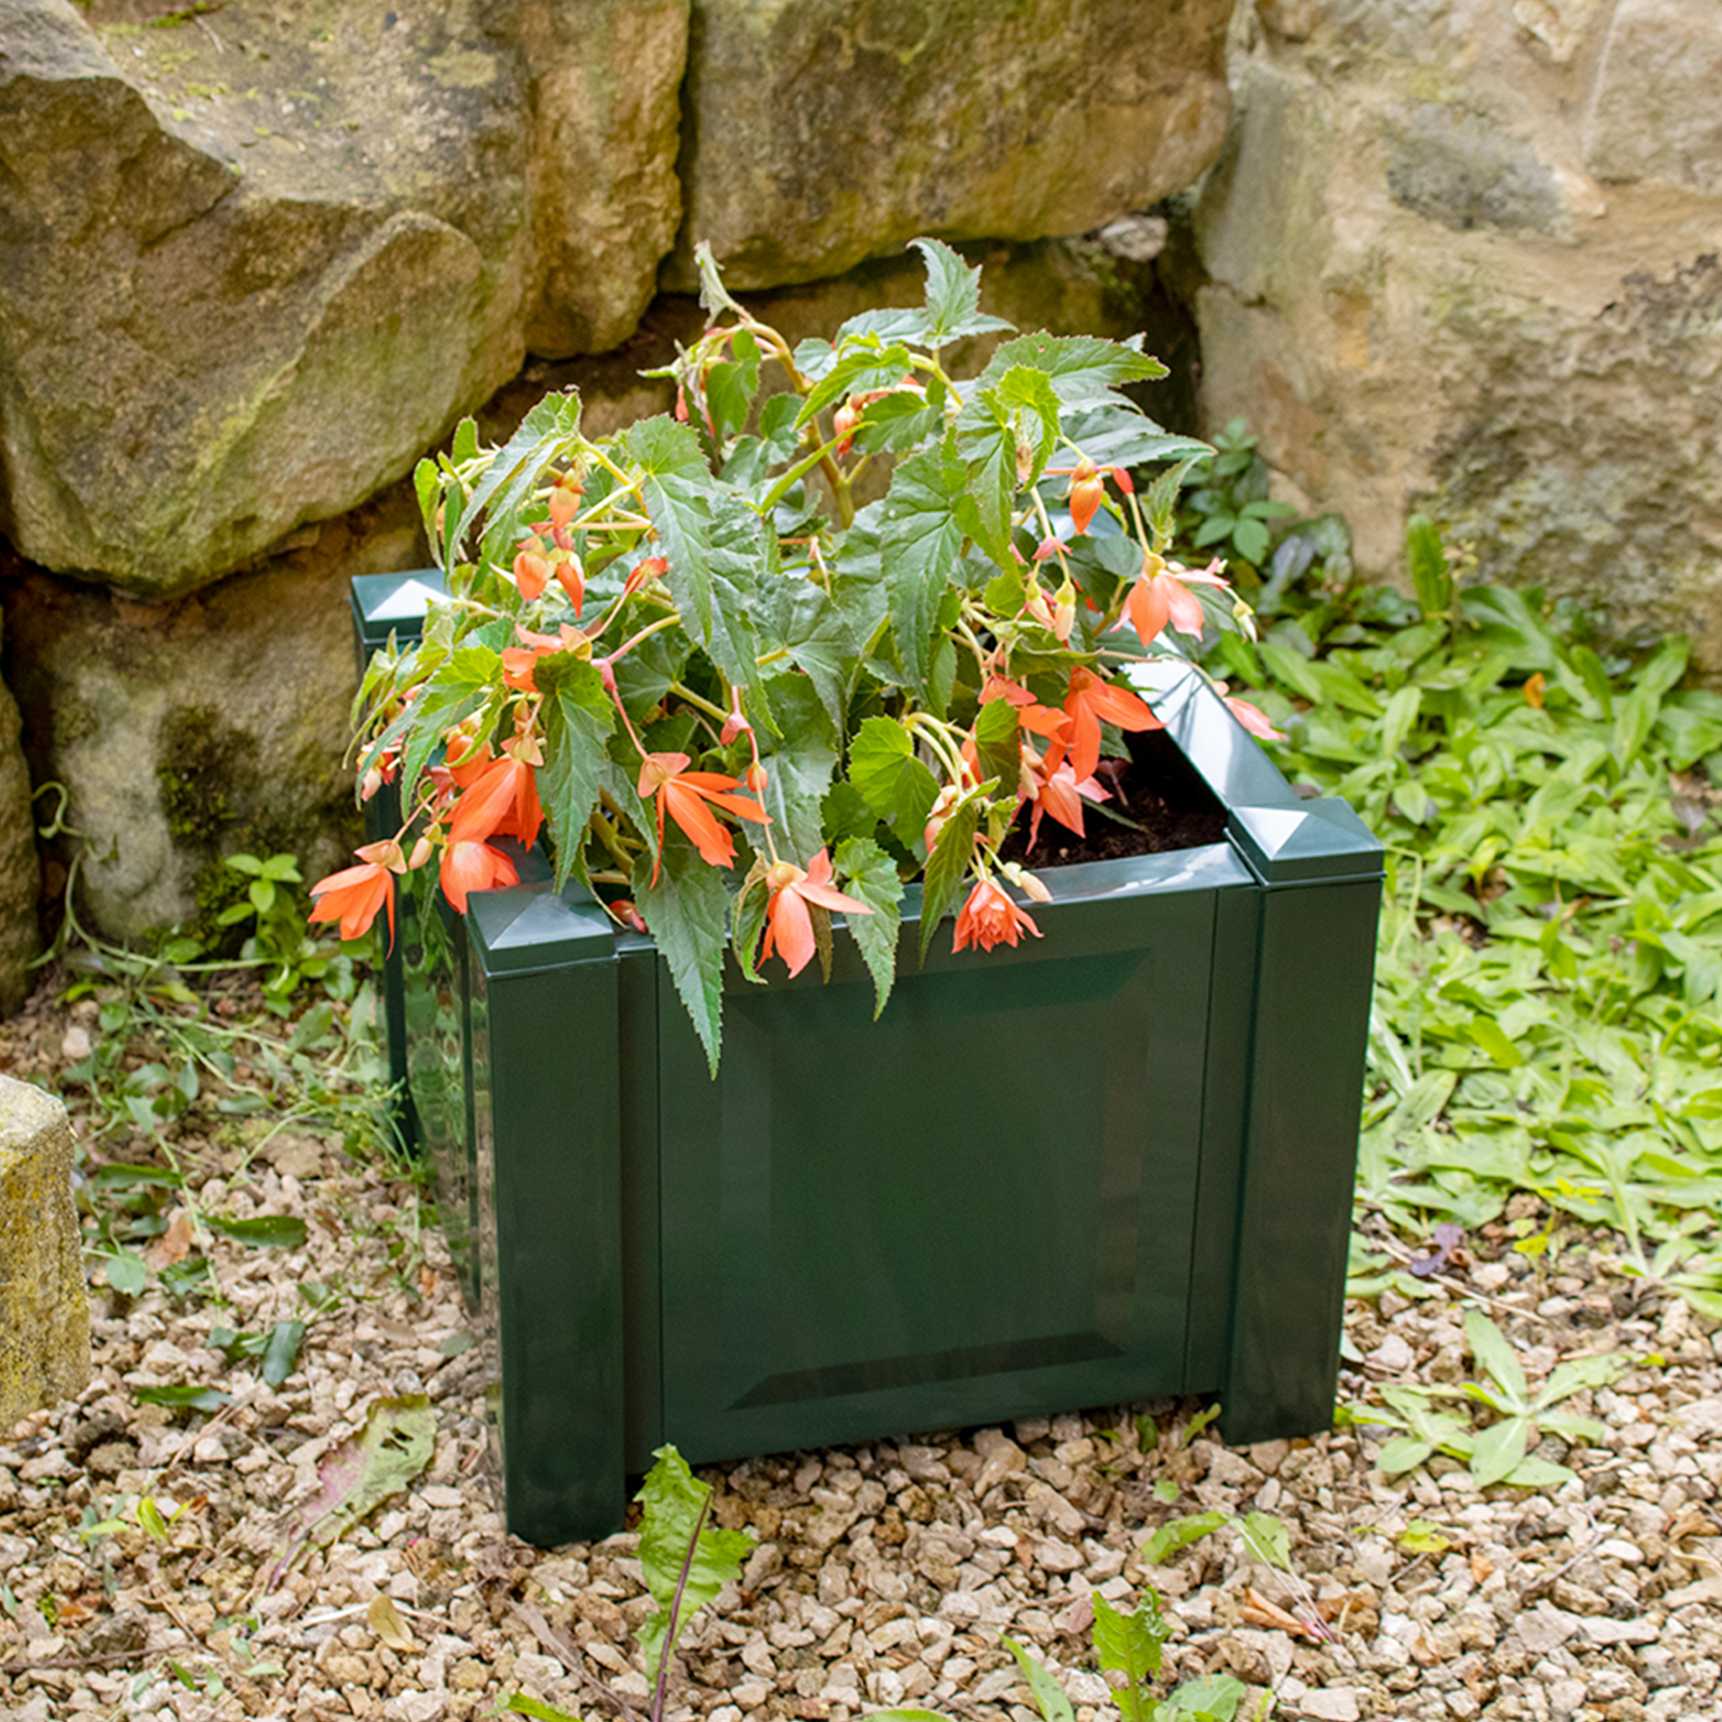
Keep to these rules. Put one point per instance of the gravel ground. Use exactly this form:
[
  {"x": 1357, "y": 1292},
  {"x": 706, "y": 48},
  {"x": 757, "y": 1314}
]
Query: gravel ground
[{"x": 884, "y": 1574}]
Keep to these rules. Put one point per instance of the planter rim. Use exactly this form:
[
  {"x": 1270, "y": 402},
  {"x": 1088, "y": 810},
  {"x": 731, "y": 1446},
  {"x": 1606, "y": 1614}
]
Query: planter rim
[{"x": 1274, "y": 837}]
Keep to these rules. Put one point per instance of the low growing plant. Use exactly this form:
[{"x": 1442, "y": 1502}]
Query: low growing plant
[{"x": 738, "y": 699}]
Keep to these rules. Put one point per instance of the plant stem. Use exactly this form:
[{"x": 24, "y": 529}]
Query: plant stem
[{"x": 675, "y": 1612}]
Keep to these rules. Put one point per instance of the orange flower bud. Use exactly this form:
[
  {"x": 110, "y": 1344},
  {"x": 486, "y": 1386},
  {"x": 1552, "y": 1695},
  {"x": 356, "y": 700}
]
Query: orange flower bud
[
  {"x": 422, "y": 851},
  {"x": 564, "y": 505},
  {"x": 531, "y": 574}
]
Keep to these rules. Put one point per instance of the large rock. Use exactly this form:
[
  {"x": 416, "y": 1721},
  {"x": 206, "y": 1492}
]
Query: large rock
[
  {"x": 19, "y": 874},
  {"x": 44, "y": 1312},
  {"x": 189, "y": 730},
  {"x": 608, "y": 203},
  {"x": 823, "y": 132},
  {"x": 248, "y": 271},
  {"x": 1421, "y": 292}
]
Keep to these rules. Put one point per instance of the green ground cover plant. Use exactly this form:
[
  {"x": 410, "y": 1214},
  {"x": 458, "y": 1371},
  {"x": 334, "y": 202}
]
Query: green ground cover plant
[{"x": 1547, "y": 975}]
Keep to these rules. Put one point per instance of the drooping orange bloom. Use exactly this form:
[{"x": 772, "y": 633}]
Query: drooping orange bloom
[
  {"x": 1163, "y": 596},
  {"x": 990, "y": 918},
  {"x": 788, "y": 926},
  {"x": 1060, "y": 792},
  {"x": 1254, "y": 719},
  {"x": 1041, "y": 720},
  {"x": 531, "y": 575},
  {"x": 468, "y": 865},
  {"x": 571, "y": 577},
  {"x": 355, "y": 894},
  {"x": 520, "y": 662},
  {"x": 501, "y": 802},
  {"x": 683, "y": 794},
  {"x": 1090, "y": 702}
]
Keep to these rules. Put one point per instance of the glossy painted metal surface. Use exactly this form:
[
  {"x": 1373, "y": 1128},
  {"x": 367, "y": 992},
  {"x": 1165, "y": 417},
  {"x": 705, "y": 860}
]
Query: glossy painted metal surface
[
  {"x": 385, "y": 606},
  {"x": 1156, "y": 1198}
]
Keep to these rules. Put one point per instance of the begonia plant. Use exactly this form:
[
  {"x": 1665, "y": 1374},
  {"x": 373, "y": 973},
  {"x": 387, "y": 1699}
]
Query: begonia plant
[{"x": 736, "y": 700}]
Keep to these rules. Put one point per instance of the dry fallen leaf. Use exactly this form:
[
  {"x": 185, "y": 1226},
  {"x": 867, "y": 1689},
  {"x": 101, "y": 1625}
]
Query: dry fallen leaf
[
  {"x": 384, "y": 1619},
  {"x": 174, "y": 1245}
]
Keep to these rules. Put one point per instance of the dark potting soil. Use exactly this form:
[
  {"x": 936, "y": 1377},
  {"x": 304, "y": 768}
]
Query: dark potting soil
[{"x": 1157, "y": 788}]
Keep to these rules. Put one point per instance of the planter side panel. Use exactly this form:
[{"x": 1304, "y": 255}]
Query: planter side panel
[
  {"x": 980, "y": 1206},
  {"x": 1315, "y": 967},
  {"x": 548, "y": 1157}
]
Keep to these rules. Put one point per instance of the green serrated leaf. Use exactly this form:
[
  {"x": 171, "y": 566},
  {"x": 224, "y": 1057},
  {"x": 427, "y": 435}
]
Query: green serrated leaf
[
  {"x": 919, "y": 544},
  {"x": 687, "y": 912},
  {"x": 681, "y": 1552},
  {"x": 577, "y": 718},
  {"x": 1131, "y": 1645},
  {"x": 884, "y": 769},
  {"x": 947, "y": 869},
  {"x": 870, "y": 875}
]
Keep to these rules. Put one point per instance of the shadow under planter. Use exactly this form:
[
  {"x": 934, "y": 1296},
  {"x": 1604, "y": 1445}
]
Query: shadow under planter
[{"x": 1113, "y": 1163}]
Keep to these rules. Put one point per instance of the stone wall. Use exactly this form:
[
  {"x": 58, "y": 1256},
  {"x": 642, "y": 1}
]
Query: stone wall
[
  {"x": 254, "y": 263},
  {"x": 1465, "y": 256}
]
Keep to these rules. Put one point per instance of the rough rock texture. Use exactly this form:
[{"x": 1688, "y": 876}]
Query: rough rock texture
[
  {"x": 187, "y": 730},
  {"x": 822, "y": 132},
  {"x": 249, "y": 271},
  {"x": 19, "y": 875},
  {"x": 44, "y": 1312},
  {"x": 1469, "y": 259},
  {"x": 608, "y": 203}
]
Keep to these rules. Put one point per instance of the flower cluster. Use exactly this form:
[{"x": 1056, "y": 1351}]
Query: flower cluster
[{"x": 738, "y": 700}]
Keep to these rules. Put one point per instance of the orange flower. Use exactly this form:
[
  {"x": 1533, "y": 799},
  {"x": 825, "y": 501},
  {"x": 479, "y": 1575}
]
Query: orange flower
[
  {"x": 501, "y": 802},
  {"x": 990, "y": 918},
  {"x": 1087, "y": 490},
  {"x": 788, "y": 926},
  {"x": 520, "y": 662},
  {"x": 355, "y": 894},
  {"x": 1090, "y": 702},
  {"x": 1061, "y": 793},
  {"x": 683, "y": 794},
  {"x": 531, "y": 573},
  {"x": 1163, "y": 596},
  {"x": 1041, "y": 720},
  {"x": 571, "y": 577},
  {"x": 1254, "y": 719},
  {"x": 472, "y": 866}
]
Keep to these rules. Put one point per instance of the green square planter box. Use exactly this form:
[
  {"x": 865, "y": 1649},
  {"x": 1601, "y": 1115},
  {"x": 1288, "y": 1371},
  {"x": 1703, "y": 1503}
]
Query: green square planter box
[{"x": 1129, "y": 1172}]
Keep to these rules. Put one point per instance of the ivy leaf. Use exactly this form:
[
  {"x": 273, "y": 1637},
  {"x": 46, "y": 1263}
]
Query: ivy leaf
[
  {"x": 871, "y": 875},
  {"x": 686, "y": 912},
  {"x": 1178, "y": 1534},
  {"x": 953, "y": 297},
  {"x": 1049, "y": 1696},
  {"x": 577, "y": 719},
  {"x": 884, "y": 768},
  {"x": 918, "y": 547},
  {"x": 1083, "y": 369},
  {"x": 947, "y": 867},
  {"x": 677, "y": 1538}
]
